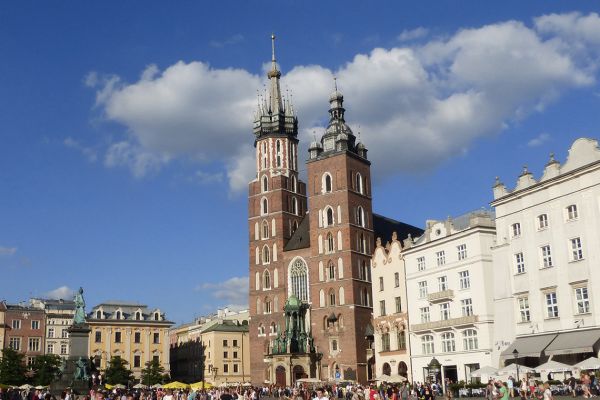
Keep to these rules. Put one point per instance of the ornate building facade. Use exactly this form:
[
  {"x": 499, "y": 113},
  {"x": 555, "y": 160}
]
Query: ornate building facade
[{"x": 310, "y": 289}]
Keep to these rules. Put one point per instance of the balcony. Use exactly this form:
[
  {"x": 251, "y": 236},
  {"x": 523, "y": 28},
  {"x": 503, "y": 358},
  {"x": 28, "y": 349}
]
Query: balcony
[
  {"x": 447, "y": 323},
  {"x": 443, "y": 295}
]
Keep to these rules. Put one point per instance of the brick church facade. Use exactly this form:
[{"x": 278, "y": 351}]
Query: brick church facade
[{"x": 310, "y": 248}]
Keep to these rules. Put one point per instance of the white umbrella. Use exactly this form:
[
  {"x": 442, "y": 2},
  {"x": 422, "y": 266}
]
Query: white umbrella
[
  {"x": 485, "y": 371},
  {"x": 308, "y": 380},
  {"x": 512, "y": 369},
  {"x": 590, "y": 363},
  {"x": 397, "y": 379},
  {"x": 156, "y": 386},
  {"x": 139, "y": 386},
  {"x": 246, "y": 384},
  {"x": 383, "y": 378},
  {"x": 119, "y": 386},
  {"x": 553, "y": 366},
  {"x": 26, "y": 386}
]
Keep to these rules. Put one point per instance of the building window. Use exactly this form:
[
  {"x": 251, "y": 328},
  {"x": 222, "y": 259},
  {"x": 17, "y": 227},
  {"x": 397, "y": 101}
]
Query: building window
[
  {"x": 64, "y": 334},
  {"x": 137, "y": 362},
  {"x": 360, "y": 216},
  {"x": 572, "y": 212},
  {"x": 464, "y": 279},
  {"x": 448, "y": 344},
  {"x": 365, "y": 297},
  {"x": 225, "y": 343},
  {"x": 235, "y": 343},
  {"x": 264, "y": 154},
  {"x": 381, "y": 283},
  {"x": 551, "y": 305},
  {"x": 385, "y": 342},
  {"x": 15, "y": 343},
  {"x": 331, "y": 298},
  {"x": 157, "y": 316},
  {"x": 278, "y": 152},
  {"x": 98, "y": 314},
  {"x": 265, "y": 184},
  {"x": 442, "y": 283},
  {"x": 401, "y": 339},
  {"x": 524, "y": 309},
  {"x": 137, "y": 337},
  {"x": 98, "y": 336},
  {"x": 576, "y": 249},
  {"x": 467, "y": 307},
  {"x": 444, "y": 311},
  {"x": 546, "y": 256},
  {"x": 516, "y": 230},
  {"x": 329, "y": 216},
  {"x": 382, "y": 307},
  {"x": 50, "y": 348},
  {"x": 265, "y": 230},
  {"x": 268, "y": 309},
  {"x": 330, "y": 245},
  {"x": 117, "y": 337},
  {"x": 520, "y": 261},
  {"x": 427, "y": 344},
  {"x": 51, "y": 333},
  {"x": 470, "y": 339},
  {"x": 235, "y": 354},
  {"x": 266, "y": 280},
  {"x": 264, "y": 206},
  {"x": 294, "y": 206},
  {"x": 235, "y": 368},
  {"x": 299, "y": 278},
  {"x": 424, "y": 314},
  {"x": 542, "y": 221},
  {"x": 327, "y": 183},
  {"x": 359, "y": 183},
  {"x": 441, "y": 258},
  {"x": 225, "y": 368},
  {"x": 362, "y": 244},
  {"x": 583, "y": 300},
  {"x": 266, "y": 255},
  {"x": 421, "y": 263},
  {"x": 225, "y": 354},
  {"x": 422, "y": 289},
  {"x": 118, "y": 315},
  {"x": 156, "y": 359},
  {"x": 398, "y": 304},
  {"x": 16, "y": 324},
  {"x": 30, "y": 361},
  {"x": 396, "y": 279},
  {"x": 330, "y": 271},
  {"x": 35, "y": 324},
  {"x": 462, "y": 251},
  {"x": 34, "y": 344},
  {"x": 138, "y": 316}
]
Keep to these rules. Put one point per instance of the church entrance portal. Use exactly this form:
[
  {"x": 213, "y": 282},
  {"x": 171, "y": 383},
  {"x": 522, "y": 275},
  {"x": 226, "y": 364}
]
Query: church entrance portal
[
  {"x": 280, "y": 376},
  {"x": 299, "y": 373}
]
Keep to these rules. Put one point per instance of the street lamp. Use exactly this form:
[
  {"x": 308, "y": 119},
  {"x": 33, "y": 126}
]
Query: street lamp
[
  {"x": 516, "y": 355},
  {"x": 434, "y": 367}
]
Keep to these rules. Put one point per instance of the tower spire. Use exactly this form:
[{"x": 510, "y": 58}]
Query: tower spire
[{"x": 275, "y": 101}]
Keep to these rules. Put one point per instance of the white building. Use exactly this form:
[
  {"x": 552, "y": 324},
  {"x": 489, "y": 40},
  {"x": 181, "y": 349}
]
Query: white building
[
  {"x": 546, "y": 261},
  {"x": 390, "y": 317},
  {"x": 59, "y": 318},
  {"x": 450, "y": 284}
]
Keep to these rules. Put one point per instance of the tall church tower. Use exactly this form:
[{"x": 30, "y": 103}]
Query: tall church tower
[
  {"x": 276, "y": 205},
  {"x": 341, "y": 221}
]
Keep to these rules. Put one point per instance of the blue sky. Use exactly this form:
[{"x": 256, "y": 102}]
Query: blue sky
[{"x": 126, "y": 126}]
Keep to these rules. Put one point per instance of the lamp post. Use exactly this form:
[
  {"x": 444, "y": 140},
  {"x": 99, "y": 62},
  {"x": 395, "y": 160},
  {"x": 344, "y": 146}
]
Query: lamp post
[{"x": 516, "y": 356}]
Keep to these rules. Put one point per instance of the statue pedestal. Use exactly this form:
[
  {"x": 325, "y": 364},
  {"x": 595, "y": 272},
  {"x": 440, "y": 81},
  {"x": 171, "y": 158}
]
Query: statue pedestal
[{"x": 79, "y": 338}]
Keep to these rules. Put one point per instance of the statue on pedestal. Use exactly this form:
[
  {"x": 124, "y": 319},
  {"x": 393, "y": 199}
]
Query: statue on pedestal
[{"x": 79, "y": 317}]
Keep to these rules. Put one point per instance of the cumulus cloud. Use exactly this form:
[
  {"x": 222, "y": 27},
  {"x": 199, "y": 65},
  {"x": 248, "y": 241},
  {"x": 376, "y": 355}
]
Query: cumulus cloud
[
  {"x": 413, "y": 34},
  {"x": 539, "y": 140},
  {"x": 417, "y": 105},
  {"x": 232, "y": 291},
  {"x": 235, "y": 39},
  {"x": 63, "y": 292},
  {"x": 7, "y": 251}
]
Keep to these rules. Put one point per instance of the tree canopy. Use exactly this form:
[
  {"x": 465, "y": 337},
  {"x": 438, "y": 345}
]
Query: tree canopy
[
  {"x": 46, "y": 368},
  {"x": 153, "y": 373},
  {"x": 12, "y": 368},
  {"x": 117, "y": 371}
]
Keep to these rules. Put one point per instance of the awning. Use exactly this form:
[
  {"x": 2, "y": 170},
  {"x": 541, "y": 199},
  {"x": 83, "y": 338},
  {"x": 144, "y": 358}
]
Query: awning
[
  {"x": 529, "y": 346},
  {"x": 574, "y": 342}
]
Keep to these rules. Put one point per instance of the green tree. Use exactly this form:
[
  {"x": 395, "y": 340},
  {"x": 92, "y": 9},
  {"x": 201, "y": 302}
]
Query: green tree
[
  {"x": 46, "y": 368},
  {"x": 12, "y": 368},
  {"x": 117, "y": 371},
  {"x": 153, "y": 373}
]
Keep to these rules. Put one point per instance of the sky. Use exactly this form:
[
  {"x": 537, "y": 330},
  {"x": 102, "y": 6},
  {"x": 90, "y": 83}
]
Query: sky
[{"x": 126, "y": 127}]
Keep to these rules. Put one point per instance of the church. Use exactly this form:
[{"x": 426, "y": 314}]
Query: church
[{"x": 310, "y": 247}]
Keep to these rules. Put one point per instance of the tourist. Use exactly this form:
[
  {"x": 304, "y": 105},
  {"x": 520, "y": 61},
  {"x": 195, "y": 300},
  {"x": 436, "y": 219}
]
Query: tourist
[
  {"x": 531, "y": 382},
  {"x": 502, "y": 390},
  {"x": 510, "y": 385},
  {"x": 547, "y": 394},
  {"x": 320, "y": 395}
]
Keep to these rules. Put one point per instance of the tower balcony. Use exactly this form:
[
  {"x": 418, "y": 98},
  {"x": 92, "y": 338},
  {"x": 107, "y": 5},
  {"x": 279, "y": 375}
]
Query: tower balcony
[
  {"x": 441, "y": 296},
  {"x": 444, "y": 324}
]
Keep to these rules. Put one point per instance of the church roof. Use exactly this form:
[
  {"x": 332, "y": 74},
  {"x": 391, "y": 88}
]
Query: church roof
[
  {"x": 384, "y": 227},
  {"x": 301, "y": 238}
]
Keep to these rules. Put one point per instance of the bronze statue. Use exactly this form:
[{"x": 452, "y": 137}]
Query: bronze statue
[{"x": 79, "y": 317}]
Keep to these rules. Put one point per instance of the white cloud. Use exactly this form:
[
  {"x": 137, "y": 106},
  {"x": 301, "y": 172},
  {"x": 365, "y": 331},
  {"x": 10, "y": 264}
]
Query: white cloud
[
  {"x": 232, "y": 291},
  {"x": 7, "y": 251},
  {"x": 205, "y": 178},
  {"x": 413, "y": 34},
  {"x": 235, "y": 39},
  {"x": 89, "y": 153},
  {"x": 417, "y": 105},
  {"x": 63, "y": 292},
  {"x": 539, "y": 140}
]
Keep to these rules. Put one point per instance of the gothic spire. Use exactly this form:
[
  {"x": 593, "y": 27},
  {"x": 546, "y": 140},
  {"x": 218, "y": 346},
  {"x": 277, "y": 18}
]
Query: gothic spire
[{"x": 275, "y": 101}]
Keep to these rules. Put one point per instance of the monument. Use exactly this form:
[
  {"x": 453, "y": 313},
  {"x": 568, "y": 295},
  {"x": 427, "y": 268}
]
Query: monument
[{"x": 75, "y": 372}]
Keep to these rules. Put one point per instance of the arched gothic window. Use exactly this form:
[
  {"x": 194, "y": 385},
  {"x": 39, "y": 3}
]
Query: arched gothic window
[
  {"x": 294, "y": 184},
  {"x": 329, "y": 216},
  {"x": 359, "y": 183},
  {"x": 265, "y": 206},
  {"x": 265, "y": 230},
  {"x": 330, "y": 245},
  {"x": 266, "y": 280},
  {"x": 330, "y": 270},
  {"x": 294, "y": 226},
  {"x": 265, "y": 184},
  {"x": 294, "y": 206},
  {"x": 360, "y": 216},
  {"x": 332, "y": 297},
  {"x": 278, "y": 155},
  {"x": 266, "y": 255},
  {"x": 264, "y": 155},
  {"x": 299, "y": 279},
  {"x": 327, "y": 183}
]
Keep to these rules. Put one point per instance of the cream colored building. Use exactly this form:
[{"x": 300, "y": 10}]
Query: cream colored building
[
  {"x": 546, "y": 261},
  {"x": 213, "y": 348},
  {"x": 2, "y": 325},
  {"x": 59, "y": 318},
  {"x": 390, "y": 317},
  {"x": 132, "y": 331}
]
